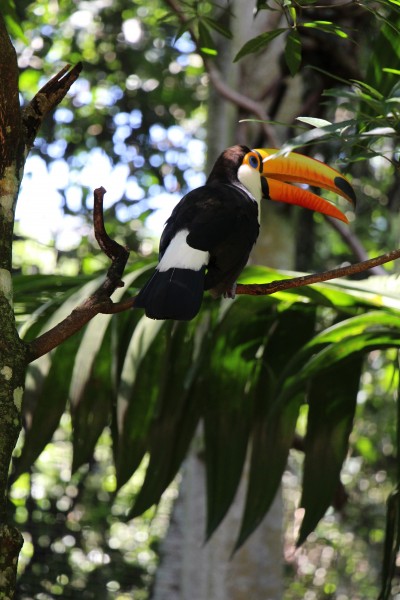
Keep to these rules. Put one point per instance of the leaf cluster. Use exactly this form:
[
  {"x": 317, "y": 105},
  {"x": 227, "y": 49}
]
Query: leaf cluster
[
  {"x": 238, "y": 369},
  {"x": 297, "y": 22},
  {"x": 369, "y": 122}
]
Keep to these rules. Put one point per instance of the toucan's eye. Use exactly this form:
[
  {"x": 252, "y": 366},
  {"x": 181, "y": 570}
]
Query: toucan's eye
[{"x": 253, "y": 161}]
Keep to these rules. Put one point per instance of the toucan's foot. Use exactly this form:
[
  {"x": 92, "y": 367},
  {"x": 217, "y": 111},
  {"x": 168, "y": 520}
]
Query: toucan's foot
[{"x": 231, "y": 293}]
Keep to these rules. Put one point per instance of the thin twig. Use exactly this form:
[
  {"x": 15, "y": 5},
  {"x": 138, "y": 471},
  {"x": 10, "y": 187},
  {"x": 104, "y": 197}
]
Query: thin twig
[
  {"x": 265, "y": 289},
  {"x": 116, "y": 253},
  {"x": 99, "y": 301},
  {"x": 117, "y": 307}
]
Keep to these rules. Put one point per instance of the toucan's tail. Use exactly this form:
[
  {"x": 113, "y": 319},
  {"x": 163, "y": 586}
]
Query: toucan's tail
[{"x": 173, "y": 294}]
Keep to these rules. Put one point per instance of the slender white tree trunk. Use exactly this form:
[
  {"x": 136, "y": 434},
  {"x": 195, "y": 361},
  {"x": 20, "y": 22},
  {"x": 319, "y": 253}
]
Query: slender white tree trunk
[{"x": 191, "y": 569}]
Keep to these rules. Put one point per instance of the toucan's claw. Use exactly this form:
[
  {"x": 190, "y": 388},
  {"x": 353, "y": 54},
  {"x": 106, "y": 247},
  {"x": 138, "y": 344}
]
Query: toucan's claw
[{"x": 231, "y": 293}]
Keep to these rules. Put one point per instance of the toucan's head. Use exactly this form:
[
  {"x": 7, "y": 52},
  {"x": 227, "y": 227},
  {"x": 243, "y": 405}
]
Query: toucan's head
[{"x": 264, "y": 174}]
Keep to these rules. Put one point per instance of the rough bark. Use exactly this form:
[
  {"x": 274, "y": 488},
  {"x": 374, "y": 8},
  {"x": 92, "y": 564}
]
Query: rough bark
[
  {"x": 17, "y": 133},
  {"x": 12, "y": 376},
  {"x": 10, "y": 149},
  {"x": 12, "y": 350}
]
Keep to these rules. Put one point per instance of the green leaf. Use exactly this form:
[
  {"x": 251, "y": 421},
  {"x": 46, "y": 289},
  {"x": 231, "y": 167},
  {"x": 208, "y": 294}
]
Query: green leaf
[
  {"x": 392, "y": 536},
  {"x": 391, "y": 544},
  {"x": 228, "y": 386},
  {"x": 92, "y": 390},
  {"x": 258, "y": 43},
  {"x": 273, "y": 431},
  {"x": 388, "y": 55},
  {"x": 45, "y": 398},
  {"x": 378, "y": 292},
  {"x": 206, "y": 42},
  {"x": 365, "y": 86},
  {"x": 333, "y": 353},
  {"x": 293, "y": 14},
  {"x": 326, "y": 26},
  {"x": 47, "y": 384},
  {"x": 389, "y": 70},
  {"x": 375, "y": 292},
  {"x": 334, "y": 131},
  {"x": 208, "y": 50},
  {"x": 364, "y": 342},
  {"x": 179, "y": 409},
  {"x": 332, "y": 400},
  {"x": 91, "y": 408},
  {"x": 358, "y": 334},
  {"x": 218, "y": 27},
  {"x": 137, "y": 395},
  {"x": 272, "y": 439},
  {"x": 293, "y": 52},
  {"x": 372, "y": 321},
  {"x": 66, "y": 303},
  {"x": 37, "y": 296},
  {"x": 12, "y": 22},
  {"x": 314, "y": 122}
]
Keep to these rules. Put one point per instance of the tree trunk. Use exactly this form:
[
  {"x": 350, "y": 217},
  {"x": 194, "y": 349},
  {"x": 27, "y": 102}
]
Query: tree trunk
[
  {"x": 191, "y": 569},
  {"x": 12, "y": 350},
  {"x": 18, "y": 130}
]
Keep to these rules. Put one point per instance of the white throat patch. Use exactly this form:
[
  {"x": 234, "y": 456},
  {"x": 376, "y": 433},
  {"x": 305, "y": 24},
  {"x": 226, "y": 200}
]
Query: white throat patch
[{"x": 251, "y": 180}]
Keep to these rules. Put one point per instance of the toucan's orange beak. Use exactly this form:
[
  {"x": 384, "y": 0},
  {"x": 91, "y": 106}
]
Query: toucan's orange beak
[{"x": 281, "y": 171}]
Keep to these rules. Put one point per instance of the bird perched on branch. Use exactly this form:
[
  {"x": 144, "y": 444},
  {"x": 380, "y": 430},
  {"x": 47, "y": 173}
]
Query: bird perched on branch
[{"x": 208, "y": 237}]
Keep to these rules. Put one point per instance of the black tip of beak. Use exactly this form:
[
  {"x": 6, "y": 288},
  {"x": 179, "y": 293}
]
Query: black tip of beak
[
  {"x": 264, "y": 188},
  {"x": 346, "y": 188}
]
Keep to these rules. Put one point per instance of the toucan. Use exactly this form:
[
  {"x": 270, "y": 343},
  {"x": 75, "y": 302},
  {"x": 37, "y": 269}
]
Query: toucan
[{"x": 207, "y": 239}]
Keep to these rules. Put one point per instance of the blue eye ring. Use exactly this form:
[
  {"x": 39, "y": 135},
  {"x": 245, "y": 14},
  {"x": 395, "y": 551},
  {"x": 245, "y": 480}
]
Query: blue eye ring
[{"x": 254, "y": 161}]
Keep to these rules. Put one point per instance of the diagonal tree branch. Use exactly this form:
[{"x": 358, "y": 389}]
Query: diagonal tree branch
[{"x": 46, "y": 100}]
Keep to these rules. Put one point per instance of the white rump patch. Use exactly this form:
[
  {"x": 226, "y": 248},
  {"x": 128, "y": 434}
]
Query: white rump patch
[
  {"x": 179, "y": 255},
  {"x": 251, "y": 179}
]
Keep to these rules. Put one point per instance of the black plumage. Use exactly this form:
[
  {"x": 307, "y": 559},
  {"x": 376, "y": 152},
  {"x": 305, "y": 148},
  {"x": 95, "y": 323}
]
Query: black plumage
[
  {"x": 210, "y": 233},
  {"x": 221, "y": 220}
]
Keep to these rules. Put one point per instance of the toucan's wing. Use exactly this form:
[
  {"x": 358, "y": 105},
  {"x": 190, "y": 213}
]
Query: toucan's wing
[
  {"x": 206, "y": 235},
  {"x": 212, "y": 214}
]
